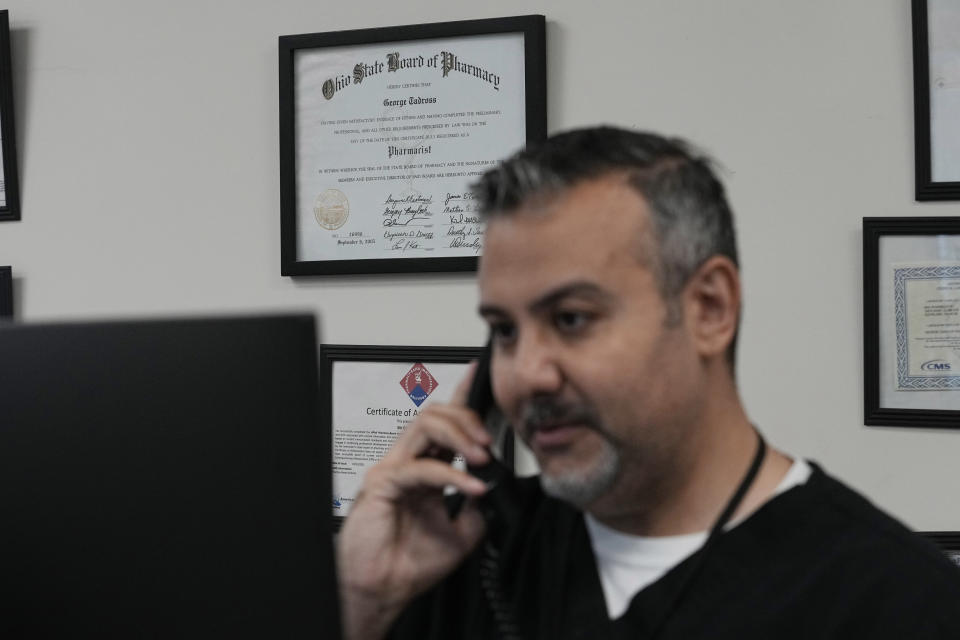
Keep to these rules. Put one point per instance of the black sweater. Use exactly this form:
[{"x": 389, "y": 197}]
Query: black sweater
[{"x": 818, "y": 561}]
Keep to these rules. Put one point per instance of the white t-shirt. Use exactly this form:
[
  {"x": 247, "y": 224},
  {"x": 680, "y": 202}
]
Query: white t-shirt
[{"x": 629, "y": 563}]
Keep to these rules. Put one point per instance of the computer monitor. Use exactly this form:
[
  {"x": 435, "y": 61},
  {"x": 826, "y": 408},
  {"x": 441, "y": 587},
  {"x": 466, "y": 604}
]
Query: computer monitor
[{"x": 164, "y": 479}]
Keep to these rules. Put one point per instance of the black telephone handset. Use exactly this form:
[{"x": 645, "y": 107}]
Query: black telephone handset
[{"x": 498, "y": 505}]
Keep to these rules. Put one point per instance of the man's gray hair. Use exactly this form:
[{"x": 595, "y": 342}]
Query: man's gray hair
[{"x": 691, "y": 218}]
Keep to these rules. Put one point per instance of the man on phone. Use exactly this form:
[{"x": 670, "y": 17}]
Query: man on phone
[{"x": 610, "y": 283}]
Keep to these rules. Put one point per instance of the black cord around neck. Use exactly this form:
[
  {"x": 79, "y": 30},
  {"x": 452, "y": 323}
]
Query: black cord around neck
[
  {"x": 504, "y": 620},
  {"x": 714, "y": 534}
]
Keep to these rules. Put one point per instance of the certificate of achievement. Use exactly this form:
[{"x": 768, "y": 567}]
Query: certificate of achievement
[
  {"x": 372, "y": 403},
  {"x": 387, "y": 135},
  {"x": 927, "y": 308}
]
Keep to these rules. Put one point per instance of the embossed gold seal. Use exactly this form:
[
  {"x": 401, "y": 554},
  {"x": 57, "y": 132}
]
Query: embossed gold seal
[{"x": 331, "y": 209}]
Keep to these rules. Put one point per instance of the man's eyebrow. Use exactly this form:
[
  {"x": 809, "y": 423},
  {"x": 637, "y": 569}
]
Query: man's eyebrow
[{"x": 585, "y": 289}]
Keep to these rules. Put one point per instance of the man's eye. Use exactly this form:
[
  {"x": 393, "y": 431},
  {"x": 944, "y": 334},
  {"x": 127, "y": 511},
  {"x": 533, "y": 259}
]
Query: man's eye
[
  {"x": 502, "y": 332},
  {"x": 571, "y": 321}
]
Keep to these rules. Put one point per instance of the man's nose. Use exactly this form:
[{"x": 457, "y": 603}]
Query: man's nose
[{"x": 535, "y": 366}]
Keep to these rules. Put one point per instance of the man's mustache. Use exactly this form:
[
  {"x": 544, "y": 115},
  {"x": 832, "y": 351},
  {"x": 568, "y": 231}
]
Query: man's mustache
[{"x": 548, "y": 411}]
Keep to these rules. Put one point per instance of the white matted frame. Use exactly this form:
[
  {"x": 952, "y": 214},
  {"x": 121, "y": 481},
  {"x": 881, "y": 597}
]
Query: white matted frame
[
  {"x": 383, "y": 130},
  {"x": 911, "y": 322}
]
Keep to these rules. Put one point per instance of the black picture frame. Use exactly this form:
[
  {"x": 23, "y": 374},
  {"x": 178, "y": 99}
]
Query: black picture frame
[
  {"x": 10, "y": 182},
  {"x": 6, "y": 293},
  {"x": 948, "y": 541},
  {"x": 875, "y": 413},
  {"x": 332, "y": 353},
  {"x": 926, "y": 188},
  {"x": 533, "y": 28}
]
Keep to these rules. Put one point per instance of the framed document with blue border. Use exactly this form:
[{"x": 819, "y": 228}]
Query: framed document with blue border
[
  {"x": 911, "y": 305},
  {"x": 382, "y": 132},
  {"x": 371, "y": 393}
]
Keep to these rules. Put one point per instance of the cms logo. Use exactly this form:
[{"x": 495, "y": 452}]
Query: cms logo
[{"x": 935, "y": 365}]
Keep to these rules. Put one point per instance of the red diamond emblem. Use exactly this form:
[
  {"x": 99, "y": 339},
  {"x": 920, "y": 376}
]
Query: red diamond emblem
[{"x": 418, "y": 383}]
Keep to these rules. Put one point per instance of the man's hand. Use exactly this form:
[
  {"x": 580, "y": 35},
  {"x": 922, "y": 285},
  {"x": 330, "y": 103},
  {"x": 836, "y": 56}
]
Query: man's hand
[{"x": 398, "y": 540}]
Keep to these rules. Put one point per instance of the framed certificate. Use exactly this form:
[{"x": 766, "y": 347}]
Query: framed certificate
[
  {"x": 936, "y": 87},
  {"x": 6, "y": 293},
  {"x": 948, "y": 541},
  {"x": 369, "y": 396},
  {"x": 383, "y": 130},
  {"x": 911, "y": 306},
  {"x": 9, "y": 184}
]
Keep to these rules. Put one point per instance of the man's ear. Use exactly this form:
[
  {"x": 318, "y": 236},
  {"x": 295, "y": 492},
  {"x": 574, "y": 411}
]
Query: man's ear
[{"x": 712, "y": 305}]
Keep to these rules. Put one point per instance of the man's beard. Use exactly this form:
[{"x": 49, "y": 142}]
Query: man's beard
[{"x": 580, "y": 486}]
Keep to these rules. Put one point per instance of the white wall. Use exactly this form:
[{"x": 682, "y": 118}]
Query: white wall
[{"x": 148, "y": 149}]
